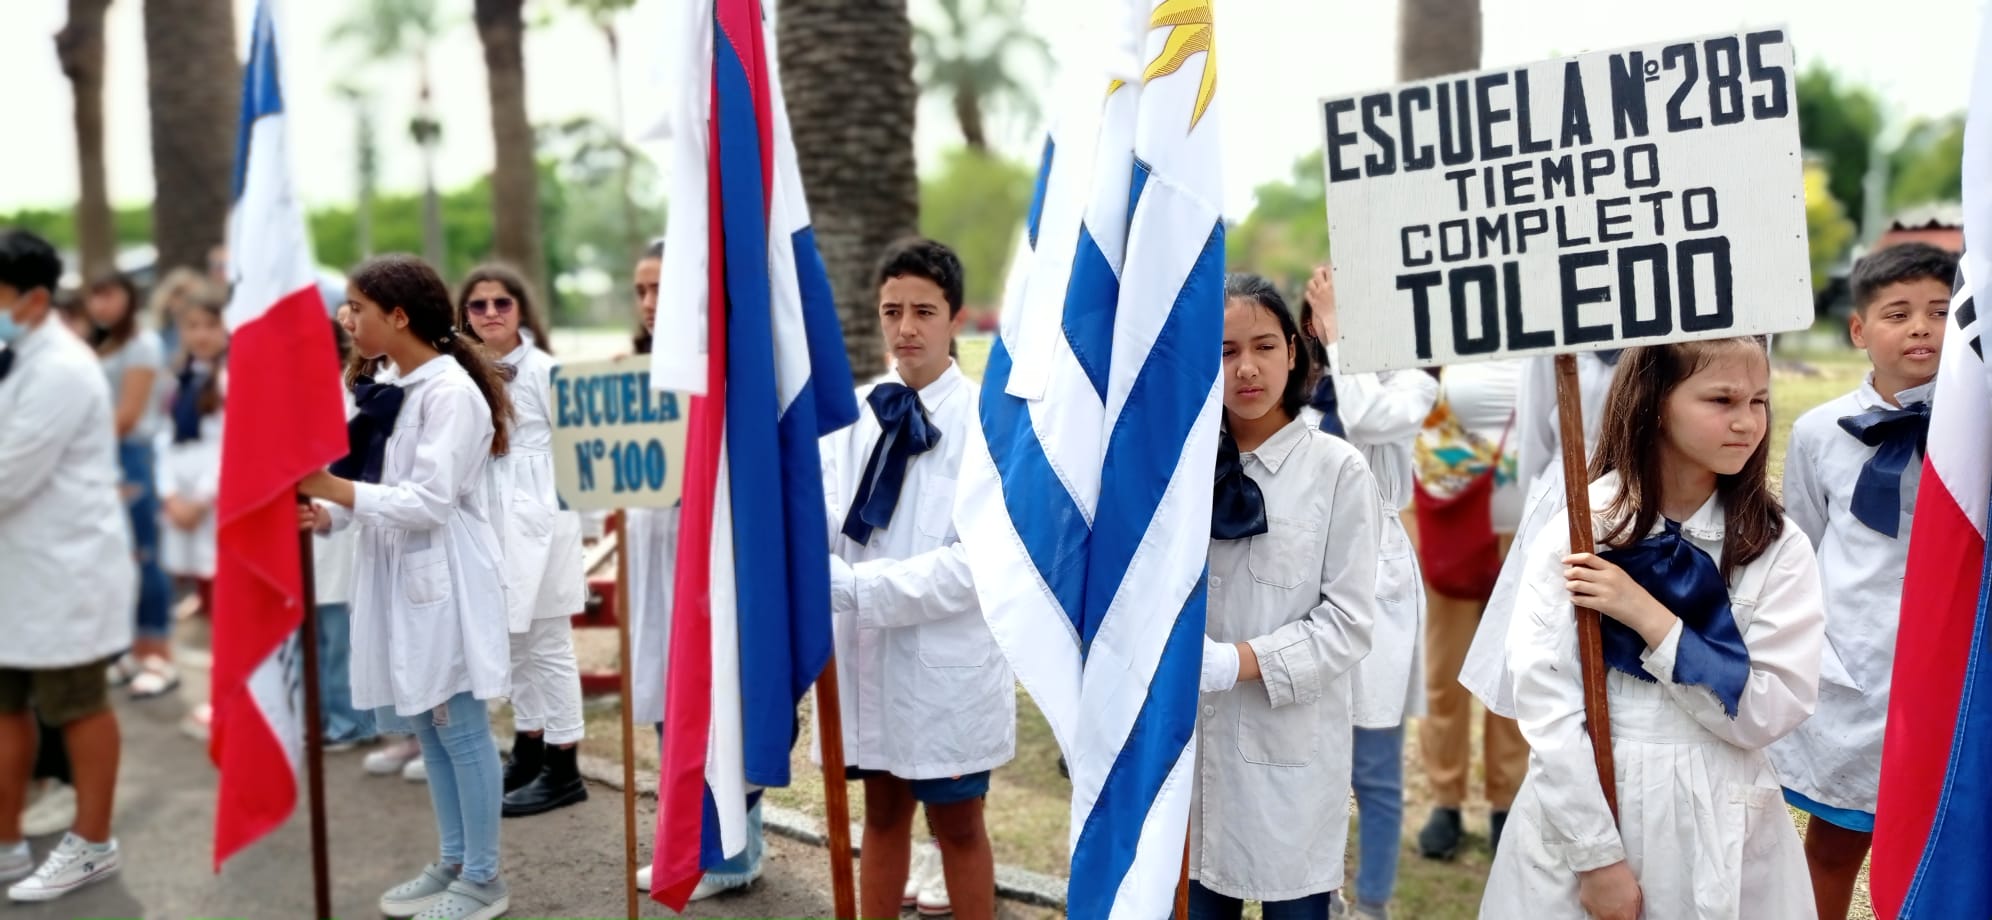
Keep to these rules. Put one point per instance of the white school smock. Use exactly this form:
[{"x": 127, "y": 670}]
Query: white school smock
[
  {"x": 1483, "y": 397},
  {"x": 652, "y": 544},
  {"x": 1381, "y": 415},
  {"x": 1539, "y": 468},
  {"x": 332, "y": 553},
  {"x": 542, "y": 543},
  {"x": 1835, "y": 757},
  {"x": 428, "y": 617},
  {"x": 1269, "y": 810},
  {"x": 1702, "y": 818},
  {"x": 67, "y": 580},
  {"x": 190, "y": 471},
  {"x": 926, "y": 693}
]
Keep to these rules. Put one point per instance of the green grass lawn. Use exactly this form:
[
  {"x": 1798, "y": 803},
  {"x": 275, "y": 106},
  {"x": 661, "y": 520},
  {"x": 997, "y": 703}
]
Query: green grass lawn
[{"x": 1028, "y": 799}]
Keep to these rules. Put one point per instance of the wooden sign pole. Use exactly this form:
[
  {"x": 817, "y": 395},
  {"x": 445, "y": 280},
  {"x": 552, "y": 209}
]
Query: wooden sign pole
[
  {"x": 1183, "y": 883},
  {"x": 628, "y": 717},
  {"x": 836, "y": 801},
  {"x": 314, "y": 738},
  {"x": 1590, "y": 642}
]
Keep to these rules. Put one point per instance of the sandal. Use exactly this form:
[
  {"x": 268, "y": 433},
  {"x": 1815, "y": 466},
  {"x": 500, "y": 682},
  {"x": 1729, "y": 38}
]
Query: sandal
[{"x": 157, "y": 677}]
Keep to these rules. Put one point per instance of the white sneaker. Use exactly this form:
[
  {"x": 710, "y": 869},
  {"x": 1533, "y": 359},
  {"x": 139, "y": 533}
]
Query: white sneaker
[
  {"x": 712, "y": 886},
  {"x": 16, "y": 862},
  {"x": 73, "y": 865},
  {"x": 924, "y": 852},
  {"x": 417, "y": 771},
  {"x": 51, "y": 811},
  {"x": 643, "y": 879},
  {"x": 932, "y": 900},
  {"x": 393, "y": 756}
]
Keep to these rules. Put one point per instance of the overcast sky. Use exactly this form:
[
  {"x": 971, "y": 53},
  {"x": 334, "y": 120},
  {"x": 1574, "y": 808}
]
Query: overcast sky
[{"x": 1277, "y": 58}]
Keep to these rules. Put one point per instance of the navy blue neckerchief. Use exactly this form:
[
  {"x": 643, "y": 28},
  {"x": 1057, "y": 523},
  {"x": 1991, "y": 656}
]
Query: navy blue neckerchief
[
  {"x": 187, "y": 404},
  {"x": 1687, "y": 582},
  {"x": 905, "y": 432},
  {"x": 378, "y": 405},
  {"x": 1238, "y": 508},
  {"x": 1897, "y": 436}
]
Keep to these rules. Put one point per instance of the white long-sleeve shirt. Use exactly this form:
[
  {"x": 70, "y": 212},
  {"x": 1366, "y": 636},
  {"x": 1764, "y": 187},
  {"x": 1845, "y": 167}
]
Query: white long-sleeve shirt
[
  {"x": 67, "y": 581},
  {"x": 542, "y": 543},
  {"x": 428, "y": 601},
  {"x": 1381, "y": 415},
  {"x": 1702, "y": 822},
  {"x": 926, "y": 693},
  {"x": 1835, "y": 757}
]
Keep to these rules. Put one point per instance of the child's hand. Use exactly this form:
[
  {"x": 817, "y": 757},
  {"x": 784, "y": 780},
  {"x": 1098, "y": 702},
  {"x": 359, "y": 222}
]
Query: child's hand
[
  {"x": 1610, "y": 893},
  {"x": 312, "y": 517},
  {"x": 1321, "y": 296},
  {"x": 1606, "y": 588}
]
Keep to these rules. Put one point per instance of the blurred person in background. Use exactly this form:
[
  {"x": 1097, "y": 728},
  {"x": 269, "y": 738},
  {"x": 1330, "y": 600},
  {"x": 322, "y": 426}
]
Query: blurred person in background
[{"x": 65, "y": 558}]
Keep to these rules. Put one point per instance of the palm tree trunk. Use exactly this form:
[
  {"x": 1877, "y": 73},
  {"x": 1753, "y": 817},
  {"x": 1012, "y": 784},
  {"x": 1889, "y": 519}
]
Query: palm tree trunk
[
  {"x": 633, "y": 235},
  {"x": 369, "y": 171},
  {"x": 515, "y": 180},
  {"x": 433, "y": 247},
  {"x": 1436, "y": 37},
  {"x": 968, "y": 111},
  {"x": 80, "y": 47},
  {"x": 840, "y": 57},
  {"x": 194, "y": 85}
]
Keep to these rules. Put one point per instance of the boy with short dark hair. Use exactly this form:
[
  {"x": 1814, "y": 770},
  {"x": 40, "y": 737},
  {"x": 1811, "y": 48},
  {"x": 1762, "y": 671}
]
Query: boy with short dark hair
[
  {"x": 65, "y": 559},
  {"x": 1850, "y": 483},
  {"x": 929, "y": 705}
]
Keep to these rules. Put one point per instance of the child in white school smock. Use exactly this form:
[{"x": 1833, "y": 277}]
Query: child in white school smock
[
  {"x": 190, "y": 460},
  {"x": 428, "y": 609},
  {"x": 929, "y": 703},
  {"x": 544, "y": 586},
  {"x": 1850, "y": 482},
  {"x": 1293, "y": 596},
  {"x": 1712, "y": 624},
  {"x": 1381, "y": 414}
]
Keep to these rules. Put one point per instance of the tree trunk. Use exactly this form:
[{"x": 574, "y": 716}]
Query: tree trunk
[
  {"x": 840, "y": 57},
  {"x": 194, "y": 85},
  {"x": 968, "y": 111},
  {"x": 80, "y": 47},
  {"x": 515, "y": 180},
  {"x": 1436, "y": 37}
]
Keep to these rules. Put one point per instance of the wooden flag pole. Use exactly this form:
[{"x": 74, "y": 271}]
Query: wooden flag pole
[
  {"x": 836, "y": 801},
  {"x": 1183, "y": 882},
  {"x": 628, "y": 717},
  {"x": 314, "y": 738},
  {"x": 1590, "y": 642}
]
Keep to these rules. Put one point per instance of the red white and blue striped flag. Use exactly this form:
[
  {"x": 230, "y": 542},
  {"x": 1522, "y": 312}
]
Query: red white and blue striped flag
[
  {"x": 745, "y": 322},
  {"x": 285, "y": 420},
  {"x": 1933, "y": 822}
]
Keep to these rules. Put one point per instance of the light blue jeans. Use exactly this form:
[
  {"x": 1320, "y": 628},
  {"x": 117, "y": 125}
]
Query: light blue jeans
[
  {"x": 1378, "y": 778},
  {"x": 466, "y": 782},
  {"x": 338, "y": 720}
]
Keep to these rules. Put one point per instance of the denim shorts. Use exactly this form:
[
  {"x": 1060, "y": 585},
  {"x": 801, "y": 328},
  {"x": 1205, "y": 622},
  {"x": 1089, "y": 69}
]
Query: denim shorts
[{"x": 946, "y": 791}]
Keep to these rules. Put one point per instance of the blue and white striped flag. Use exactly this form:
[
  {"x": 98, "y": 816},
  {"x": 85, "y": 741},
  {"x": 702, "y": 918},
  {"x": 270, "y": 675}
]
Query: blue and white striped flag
[{"x": 1085, "y": 496}]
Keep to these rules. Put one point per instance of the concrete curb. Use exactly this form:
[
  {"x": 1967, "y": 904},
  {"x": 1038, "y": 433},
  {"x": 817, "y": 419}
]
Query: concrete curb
[{"x": 1013, "y": 883}]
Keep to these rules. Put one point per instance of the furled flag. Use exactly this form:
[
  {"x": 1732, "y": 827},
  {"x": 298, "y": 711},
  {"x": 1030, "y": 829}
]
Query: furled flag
[
  {"x": 1933, "y": 822},
  {"x": 1085, "y": 497},
  {"x": 745, "y": 321},
  {"x": 285, "y": 420}
]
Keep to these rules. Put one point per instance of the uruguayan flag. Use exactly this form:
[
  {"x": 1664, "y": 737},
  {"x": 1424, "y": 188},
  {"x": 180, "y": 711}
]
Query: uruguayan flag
[{"x": 1085, "y": 500}]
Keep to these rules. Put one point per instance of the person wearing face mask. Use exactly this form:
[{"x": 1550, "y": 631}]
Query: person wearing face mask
[{"x": 62, "y": 528}]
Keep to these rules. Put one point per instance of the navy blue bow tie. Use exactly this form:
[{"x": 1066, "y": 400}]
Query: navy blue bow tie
[
  {"x": 1610, "y": 356},
  {"x": 1684, "y": 579},
  {"x": 1897, "y": 437},
  {"x": 378, "y": 405},
  {"x": 1323, "y": 401},
  {"x": 6, "y": 362},
  {"x": 906, "y": 432},
  {"x": 187, "y": 405},
  {"x": 1238, "y": 507}
]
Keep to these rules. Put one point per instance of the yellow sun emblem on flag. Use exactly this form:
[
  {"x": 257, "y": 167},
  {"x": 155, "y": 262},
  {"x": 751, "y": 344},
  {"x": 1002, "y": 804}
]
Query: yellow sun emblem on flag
[{"x": 1191, "y": 29}]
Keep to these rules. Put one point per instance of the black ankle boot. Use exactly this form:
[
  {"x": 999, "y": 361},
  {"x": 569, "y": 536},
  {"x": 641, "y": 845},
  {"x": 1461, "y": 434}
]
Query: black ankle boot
[
  {"x": 557, "y": 786},
  {"x": 528, "y": 757},
  {"x": 1441, "y": 835},
  {"x": 1497, "y": 822}
]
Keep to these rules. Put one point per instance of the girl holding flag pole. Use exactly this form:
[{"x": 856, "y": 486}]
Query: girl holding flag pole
[
  {"x": 1713, "y": 627},
  {"x": 429, "y": 638}
]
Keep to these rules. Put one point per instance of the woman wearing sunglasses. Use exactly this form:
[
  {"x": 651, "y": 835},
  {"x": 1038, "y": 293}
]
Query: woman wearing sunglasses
[{"x": 544, "y": 584}]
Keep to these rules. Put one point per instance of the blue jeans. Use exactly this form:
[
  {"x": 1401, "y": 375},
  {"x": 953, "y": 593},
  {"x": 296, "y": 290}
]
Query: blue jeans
[
  {"x": 740, "y": 869},
  {"x": 1378, "y": 777},
  {"x": 155, "y": 593},
  {"x": 338, "y": 720},
  {"x": 1206, "y": 904},
  {"x": 466, "y": 782}
]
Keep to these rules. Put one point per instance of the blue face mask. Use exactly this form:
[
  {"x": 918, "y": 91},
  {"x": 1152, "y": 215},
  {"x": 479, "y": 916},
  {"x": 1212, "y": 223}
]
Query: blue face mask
[{"x": 10, "y": 331}]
